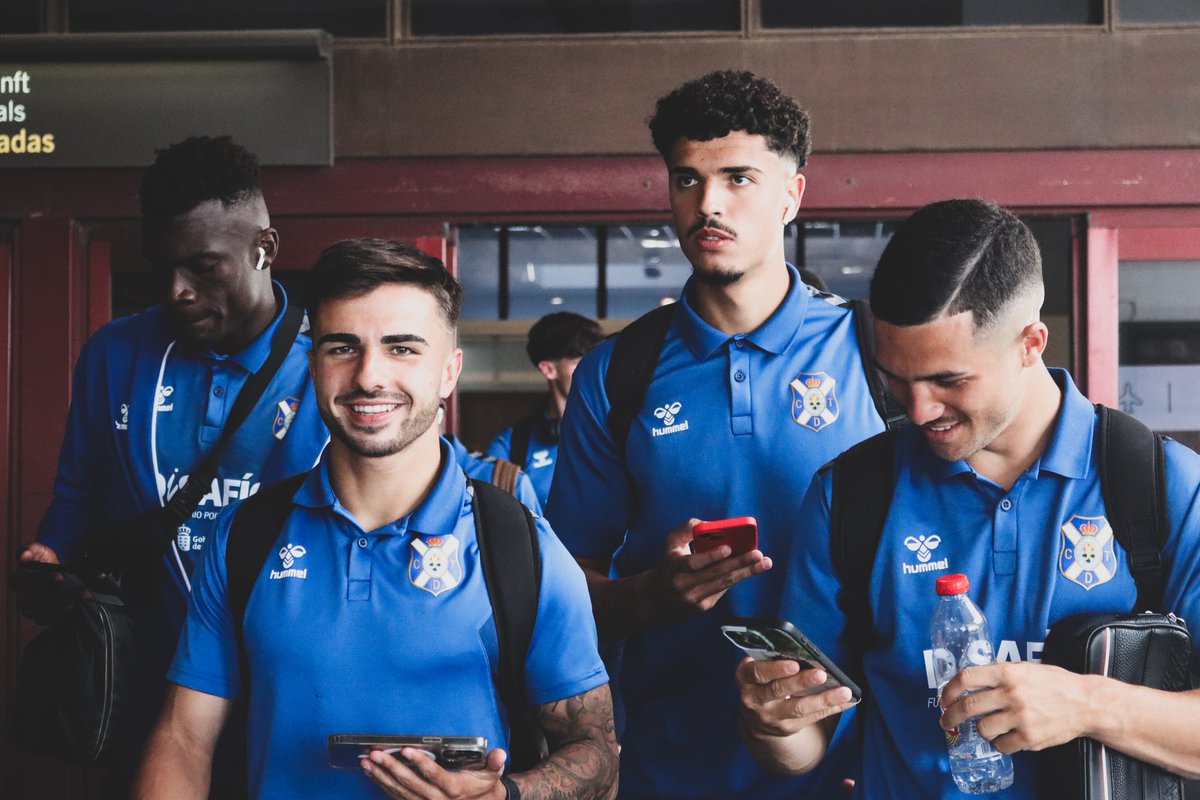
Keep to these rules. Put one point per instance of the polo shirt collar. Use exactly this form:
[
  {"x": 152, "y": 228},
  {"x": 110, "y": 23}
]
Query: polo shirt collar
[
  {"x": 1068, "y": 453},
  {"x": 254, "y": 355},
  {"x": 438, "y": 513},
  {"x": 773, "y": 336}
]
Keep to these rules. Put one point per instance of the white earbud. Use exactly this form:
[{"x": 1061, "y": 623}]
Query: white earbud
[{"x": 262, "y": 257}]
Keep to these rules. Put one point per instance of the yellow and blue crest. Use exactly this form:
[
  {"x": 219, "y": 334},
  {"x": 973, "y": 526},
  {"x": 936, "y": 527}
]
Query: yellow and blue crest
[
  {"x": 285, "y": 412},
  {"x": 814, "y": 402},
  {"x": 435, "y": 566},
  {"x": 1086, "y": 556}
]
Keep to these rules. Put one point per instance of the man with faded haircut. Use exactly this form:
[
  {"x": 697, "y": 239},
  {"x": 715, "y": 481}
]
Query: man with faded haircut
[
  {"x": 1000, "y": 465},
  {"x": 758, "y": 382},
  {"x": 151, "y": 395},
  {"x": 372, "y": 613}
]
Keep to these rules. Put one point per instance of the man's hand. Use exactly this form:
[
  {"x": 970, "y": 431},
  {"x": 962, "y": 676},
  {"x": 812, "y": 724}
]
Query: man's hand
[
  {"x": 415, "y": 775},
  {"x": 688, "y": 583},
  {"x": 39, "y": 552},
  {"x": 787, "y": 723},
  {"x": 1024, "y": 706}
]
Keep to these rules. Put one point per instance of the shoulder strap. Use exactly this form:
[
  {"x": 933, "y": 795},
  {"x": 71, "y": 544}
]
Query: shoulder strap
[
  {"x": 1133, "y": 484},
  {"x": 255, "y": 527},
  {"x": 187, "y": 499},
  {"x": 864, "y": 478},
  {"x": 518, "y": 446},
  {"x": 512, "y": 570},
  {"x": 504, "y": 475},
  {"x": 888, "y": 407},
  {"x": 634, "y": 358}
]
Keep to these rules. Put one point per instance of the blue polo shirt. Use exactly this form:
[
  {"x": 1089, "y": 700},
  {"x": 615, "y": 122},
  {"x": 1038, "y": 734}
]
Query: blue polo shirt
[
  {"x": 130, "y": 443},
  {"x": 1015, "y": 546},
  {"x": 353, "y": 631},
  {"x": 484, "y": 468},
  {"x": 731, "y": 426},
  {"x": 540, "y": 457}
]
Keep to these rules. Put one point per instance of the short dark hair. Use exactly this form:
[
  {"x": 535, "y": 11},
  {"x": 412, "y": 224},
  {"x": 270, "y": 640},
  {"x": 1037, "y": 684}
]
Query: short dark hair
[
  {"x": 955, "y": 256},
  {"x": 195, "y": 171},
  {"x": 354, "y": 267},
  {"x": 563, "y": 334},
  {"x": 725, "y": 101}
]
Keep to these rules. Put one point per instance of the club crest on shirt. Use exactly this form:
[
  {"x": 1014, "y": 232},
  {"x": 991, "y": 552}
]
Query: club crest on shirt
[
  {"x": 435, "y": 565},
  {"x": 814, "y": 401},
  {"x": 1086, "y": 555},
  {"x": 285, "y": 412}
]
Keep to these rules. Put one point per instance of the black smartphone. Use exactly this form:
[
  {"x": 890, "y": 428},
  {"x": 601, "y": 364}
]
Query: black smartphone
[
  {"x": 764, "y": 639},
  {"x": 347, "y": 750}
]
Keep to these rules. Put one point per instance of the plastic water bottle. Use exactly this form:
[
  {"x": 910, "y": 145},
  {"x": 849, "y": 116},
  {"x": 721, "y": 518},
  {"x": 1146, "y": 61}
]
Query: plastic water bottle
[{"x": 961, "y": 639}]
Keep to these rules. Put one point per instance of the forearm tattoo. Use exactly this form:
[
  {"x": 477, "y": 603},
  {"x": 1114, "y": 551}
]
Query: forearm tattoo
[{"x": 583, "y": 750}]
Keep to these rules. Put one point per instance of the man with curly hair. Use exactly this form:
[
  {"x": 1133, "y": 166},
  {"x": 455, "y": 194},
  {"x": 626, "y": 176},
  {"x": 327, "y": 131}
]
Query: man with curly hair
[
  {"x": 152, "y": 392},
  {"x": 759, "y": 382}
]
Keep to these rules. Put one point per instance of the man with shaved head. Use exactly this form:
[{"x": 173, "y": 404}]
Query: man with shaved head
[{"x": 152, "y": 392}]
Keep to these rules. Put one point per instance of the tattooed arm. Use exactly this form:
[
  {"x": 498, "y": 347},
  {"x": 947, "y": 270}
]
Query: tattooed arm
[
  {"x": 582, "y": 764},
  {"x": 583, "y": 750}
]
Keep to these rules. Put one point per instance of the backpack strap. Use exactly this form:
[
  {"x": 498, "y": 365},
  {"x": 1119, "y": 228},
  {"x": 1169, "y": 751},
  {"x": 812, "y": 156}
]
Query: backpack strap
[
  {"x": 512, "y": 570},
  {"x": 252, "y": 532},
  {"x": 634, "y": 358},
  {"x": 864, "y": 478},
  {"x": 522, "y": 432},
  {"x": 504, "y": 475},
  {"x": 888, "y": 407},
  {"x": 1133, "y": 483}
]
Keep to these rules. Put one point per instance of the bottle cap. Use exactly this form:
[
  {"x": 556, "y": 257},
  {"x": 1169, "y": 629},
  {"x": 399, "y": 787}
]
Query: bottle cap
[{"x": 952, "y": 584}]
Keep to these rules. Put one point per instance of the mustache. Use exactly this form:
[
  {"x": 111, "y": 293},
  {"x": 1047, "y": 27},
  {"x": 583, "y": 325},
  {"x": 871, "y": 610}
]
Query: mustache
[{"x": 709, "y": 222}]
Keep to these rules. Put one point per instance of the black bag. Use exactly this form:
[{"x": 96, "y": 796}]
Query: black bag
[
  {"x": 1145, "y": 649},
  {"x": 77, "y": 680}
]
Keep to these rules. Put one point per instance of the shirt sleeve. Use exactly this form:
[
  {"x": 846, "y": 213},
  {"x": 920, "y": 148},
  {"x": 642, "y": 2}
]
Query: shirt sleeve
[
  {"x": 589, "y": 504},
  {"x": 528, "y": 495},
  {"x": 501, "y": 446},
  {"x": 809, "y": 599},
  {"x": 563, "y": 660},
  {"x": 1181, "y": 594},
  {"x": 77, "y": 511},
  {"x": 207, "y": 656}
]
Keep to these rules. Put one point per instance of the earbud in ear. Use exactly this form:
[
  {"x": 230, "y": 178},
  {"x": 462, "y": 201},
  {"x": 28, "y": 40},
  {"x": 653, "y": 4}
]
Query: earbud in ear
[{"x": 262, "y": 257}]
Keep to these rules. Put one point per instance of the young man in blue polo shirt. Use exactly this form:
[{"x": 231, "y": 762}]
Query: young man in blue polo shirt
[
  {"x": 353, "y": 627},
  {"x": 723, "y": 432},
  {"x": 151, "y": 394},
  {"x": 1001, "y": 470},
  {"x": 556, "y": 343}
]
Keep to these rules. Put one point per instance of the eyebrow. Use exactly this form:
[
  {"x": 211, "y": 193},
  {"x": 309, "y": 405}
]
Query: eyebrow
[
  {"x": 735, "y": 170},
  {"x": 391, "y": 338},
  {"x": 937, "y": 376}
]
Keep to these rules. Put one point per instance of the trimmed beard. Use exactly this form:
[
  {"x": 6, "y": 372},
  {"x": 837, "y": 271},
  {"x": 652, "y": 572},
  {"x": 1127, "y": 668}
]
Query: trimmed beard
[{"x": 420, "y": 421}]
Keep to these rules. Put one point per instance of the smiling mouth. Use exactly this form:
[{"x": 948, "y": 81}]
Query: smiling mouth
[{"x": 374, "y": 408}]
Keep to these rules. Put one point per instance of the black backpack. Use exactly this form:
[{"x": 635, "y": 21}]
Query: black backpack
[
  {"x": 637, "y": 347},
  {"x": 512, "y": 570}
]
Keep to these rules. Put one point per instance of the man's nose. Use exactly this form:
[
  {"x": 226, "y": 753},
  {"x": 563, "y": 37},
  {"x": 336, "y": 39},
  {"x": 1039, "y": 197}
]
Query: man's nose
[{"x": 922, "y": 404}]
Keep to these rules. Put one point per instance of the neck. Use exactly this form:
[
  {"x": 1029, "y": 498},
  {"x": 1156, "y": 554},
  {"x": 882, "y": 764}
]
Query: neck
[
  {"x": 378, "y": 491},
  {"x": 1026, "y": 437},
  {"x": 742, "y": 306},
  {"x": 557, "y": 402}
]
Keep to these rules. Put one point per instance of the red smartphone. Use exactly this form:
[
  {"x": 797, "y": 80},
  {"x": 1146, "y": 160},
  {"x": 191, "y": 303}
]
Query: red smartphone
[{"x": 740, "y": 533}]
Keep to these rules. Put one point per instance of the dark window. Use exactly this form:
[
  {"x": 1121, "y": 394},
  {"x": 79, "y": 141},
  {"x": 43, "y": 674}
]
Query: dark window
[
  {"x": 929, "y": 13},
  {"x": 364, "y": 18},
  {"x": 1158, "y": 11},
  {"x": 20, "y": 16},
  {"x": 492, "y": 17}
]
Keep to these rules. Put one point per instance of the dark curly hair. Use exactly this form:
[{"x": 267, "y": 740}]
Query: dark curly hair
[
  {"x": 563, "y": 334},
  {"x": 955, "y": 256},
  {"x": 355, "y": 267},
  {"x": 725, "y": 101},
  {"x": 195, "y": 171}
]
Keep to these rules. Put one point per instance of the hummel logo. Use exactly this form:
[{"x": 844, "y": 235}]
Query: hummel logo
[
  {"x": 288, "y": 555},
  {"x": 923, "y": 546},
  {"x": 160, "y": 399},
  {"x": 667, "y": 413}
]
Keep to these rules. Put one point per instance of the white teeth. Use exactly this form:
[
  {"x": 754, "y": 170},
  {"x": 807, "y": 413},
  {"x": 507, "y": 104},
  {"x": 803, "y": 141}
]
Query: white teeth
[{"x": 372, "y": 409}]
